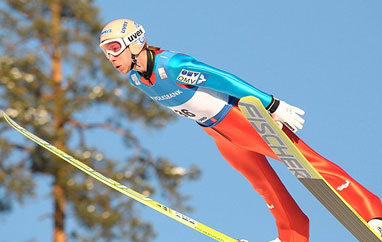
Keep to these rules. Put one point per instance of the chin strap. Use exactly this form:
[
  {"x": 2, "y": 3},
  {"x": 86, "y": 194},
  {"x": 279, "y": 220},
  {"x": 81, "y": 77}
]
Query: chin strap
[
  {"x": 150, "y": 62},
  {"x": 134, "y": 59},
  {"x": 150, "y": 65}
]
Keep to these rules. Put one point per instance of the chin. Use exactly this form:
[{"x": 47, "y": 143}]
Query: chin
[{"x": 123, "y": 70}]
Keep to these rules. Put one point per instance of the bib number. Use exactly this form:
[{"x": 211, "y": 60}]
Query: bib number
[{"x": 184, "y": 112}]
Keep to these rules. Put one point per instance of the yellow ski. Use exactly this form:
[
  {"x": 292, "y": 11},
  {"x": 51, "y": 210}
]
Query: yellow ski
[
  {"x": 300, "y": 167},
  {"x": 123, "y": 189}
]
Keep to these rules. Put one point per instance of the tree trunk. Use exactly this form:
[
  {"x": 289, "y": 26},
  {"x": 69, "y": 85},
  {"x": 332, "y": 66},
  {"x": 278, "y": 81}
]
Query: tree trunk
[
  {"x": 59, "y": 213},
  {"x": 58, "y": 191}
]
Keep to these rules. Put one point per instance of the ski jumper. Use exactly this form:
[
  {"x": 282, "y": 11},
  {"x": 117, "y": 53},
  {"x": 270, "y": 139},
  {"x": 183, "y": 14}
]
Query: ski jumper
[{"x": 209, "y": 96}]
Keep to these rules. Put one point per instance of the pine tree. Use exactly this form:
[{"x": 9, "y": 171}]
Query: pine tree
[{"x": 53, "y": 79}]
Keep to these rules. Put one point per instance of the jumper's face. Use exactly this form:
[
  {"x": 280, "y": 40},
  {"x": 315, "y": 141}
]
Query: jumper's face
[{"x": 118, "y": 54}]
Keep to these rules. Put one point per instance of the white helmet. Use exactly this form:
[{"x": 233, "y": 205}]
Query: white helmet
[{"x": 119, "y": 34}]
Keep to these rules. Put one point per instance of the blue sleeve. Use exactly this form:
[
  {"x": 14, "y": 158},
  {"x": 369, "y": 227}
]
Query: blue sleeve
[{"x": 189, "y": 70}]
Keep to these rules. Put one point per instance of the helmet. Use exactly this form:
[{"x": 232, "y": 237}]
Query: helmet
[{"x": 122, "y": 33}]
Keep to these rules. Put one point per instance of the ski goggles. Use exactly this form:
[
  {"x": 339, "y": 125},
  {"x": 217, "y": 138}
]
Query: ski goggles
[{"x": 116, "y": 46}]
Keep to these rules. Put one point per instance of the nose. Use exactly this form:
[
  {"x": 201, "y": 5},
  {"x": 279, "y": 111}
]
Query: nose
[{"x": 111, "y": 57}]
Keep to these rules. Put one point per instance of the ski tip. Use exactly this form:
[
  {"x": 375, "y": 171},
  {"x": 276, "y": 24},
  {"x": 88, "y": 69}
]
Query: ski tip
[{"x": 3, "y": 114}]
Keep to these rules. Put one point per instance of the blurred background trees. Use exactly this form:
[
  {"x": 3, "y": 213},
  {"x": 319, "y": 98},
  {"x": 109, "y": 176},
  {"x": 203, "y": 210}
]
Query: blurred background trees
[{"x": 55, "y": 81}]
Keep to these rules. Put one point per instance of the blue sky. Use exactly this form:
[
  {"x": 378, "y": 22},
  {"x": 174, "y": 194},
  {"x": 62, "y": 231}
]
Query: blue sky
[{"x": 322, "y": 56}]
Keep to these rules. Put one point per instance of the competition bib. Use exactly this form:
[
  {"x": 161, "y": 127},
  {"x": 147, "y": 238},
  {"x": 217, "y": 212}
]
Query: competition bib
[{"x": 203, "y": 105}]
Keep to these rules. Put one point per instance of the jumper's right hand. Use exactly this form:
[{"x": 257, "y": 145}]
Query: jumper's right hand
[{"x": 287, "y": 114}]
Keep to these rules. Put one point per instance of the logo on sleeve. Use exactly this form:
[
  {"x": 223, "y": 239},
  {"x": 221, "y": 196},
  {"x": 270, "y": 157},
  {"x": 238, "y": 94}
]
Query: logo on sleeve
[
  {"x": 135, "y": 79},
  {"x": 191, "y": 77}
]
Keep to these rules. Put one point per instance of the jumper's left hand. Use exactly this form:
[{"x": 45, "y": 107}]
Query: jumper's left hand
[{"x": 289, "y": 116}]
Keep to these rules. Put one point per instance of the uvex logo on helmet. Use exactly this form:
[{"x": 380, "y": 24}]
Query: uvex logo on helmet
[
  {"x": 135, "y": 35},
  {"x": 124, "y": 26}
]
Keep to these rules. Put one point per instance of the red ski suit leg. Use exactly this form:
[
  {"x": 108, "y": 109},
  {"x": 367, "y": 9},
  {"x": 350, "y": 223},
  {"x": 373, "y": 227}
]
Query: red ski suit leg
[
  {"x": 245, "y": 150},
  {"x": 292, "y": 224},
  {"x": 362, "y": 200}
]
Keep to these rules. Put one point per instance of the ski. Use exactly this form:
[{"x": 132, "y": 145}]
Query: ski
[
  {"x": 122, "y": 188},
  {"x": 300, "y": 167}
]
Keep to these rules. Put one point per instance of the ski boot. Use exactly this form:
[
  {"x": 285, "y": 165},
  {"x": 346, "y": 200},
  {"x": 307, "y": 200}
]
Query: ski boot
[
  {"x": 244, "y": 240},
  {"x": 376, "y": 224},
  {"x": 276, "y": 240}
]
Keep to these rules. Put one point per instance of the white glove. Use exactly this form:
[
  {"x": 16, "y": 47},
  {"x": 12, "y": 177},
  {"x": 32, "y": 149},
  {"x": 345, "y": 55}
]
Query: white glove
[{"x": 286, "y": 114}]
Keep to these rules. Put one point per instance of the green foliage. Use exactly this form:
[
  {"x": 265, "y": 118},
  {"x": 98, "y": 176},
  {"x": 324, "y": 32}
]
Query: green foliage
[{"x": 53, "y": 76}]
